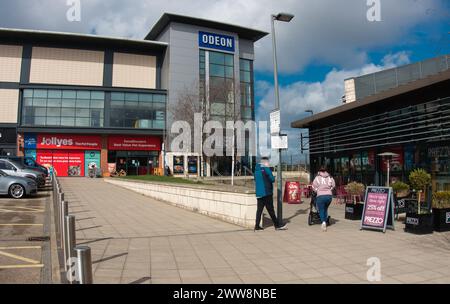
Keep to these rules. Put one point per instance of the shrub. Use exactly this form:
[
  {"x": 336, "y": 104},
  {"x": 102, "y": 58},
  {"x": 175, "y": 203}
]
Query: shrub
[
  {"x": 355, "y": 188},
  {"x": 400, "y": 187},
  {"x": 419, "y": 179},
  {"x": 441, "y": 200}
]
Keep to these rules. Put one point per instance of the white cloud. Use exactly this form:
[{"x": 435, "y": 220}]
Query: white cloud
[
  {"x": 326, "y": 31},
  {"x": 317, "y": 96}
]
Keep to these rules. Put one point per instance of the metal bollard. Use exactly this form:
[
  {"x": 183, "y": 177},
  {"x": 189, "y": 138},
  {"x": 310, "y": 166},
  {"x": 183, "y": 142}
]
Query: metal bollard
[
  {"x": 70, "y": 242},
  {"x": 64, "y": 211},
  {"x": 84, "y": 264}
]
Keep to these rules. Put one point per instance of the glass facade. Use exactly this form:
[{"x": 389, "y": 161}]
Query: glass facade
[
  {"x": 246, "y": 72},
  {"x": 63, "y": 108},
  {"x": 138, "y": 111},
  {"x": 87, "y": 109}
]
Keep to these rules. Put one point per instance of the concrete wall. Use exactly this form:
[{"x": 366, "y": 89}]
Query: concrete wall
[
  {"x": 235, "y": 208},
  {"x": 10, "y": 62},
  {"x": 66, "y": 66}
]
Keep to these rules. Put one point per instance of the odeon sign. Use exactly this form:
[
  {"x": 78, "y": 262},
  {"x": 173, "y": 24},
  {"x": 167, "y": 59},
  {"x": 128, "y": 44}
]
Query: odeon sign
[{"x": 216, "y": 41}]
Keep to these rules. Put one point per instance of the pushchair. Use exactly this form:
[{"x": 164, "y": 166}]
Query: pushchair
[{"x": 314, "y": 217}]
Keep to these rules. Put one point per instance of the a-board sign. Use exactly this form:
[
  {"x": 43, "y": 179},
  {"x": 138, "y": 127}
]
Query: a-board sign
[
  {"x": 378, "y": 213},
  {"x": 292, "y": 193}
]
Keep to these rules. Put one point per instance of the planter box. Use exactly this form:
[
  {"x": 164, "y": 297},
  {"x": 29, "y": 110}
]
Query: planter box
[
  {"x": 354, "y": 212},
  {"x": 441, "y": 219},
  {"x": 419, "y": 223}
]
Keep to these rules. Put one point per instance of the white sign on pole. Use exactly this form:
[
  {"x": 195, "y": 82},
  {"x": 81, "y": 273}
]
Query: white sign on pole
[
  {"x": 275, "y": 118},
  {"x": 280, "y": 142}
]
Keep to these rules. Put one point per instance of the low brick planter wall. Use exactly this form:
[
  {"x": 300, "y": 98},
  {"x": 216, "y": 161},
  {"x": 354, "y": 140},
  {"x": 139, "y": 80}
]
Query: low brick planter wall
[{"x": 235, "y": 208}]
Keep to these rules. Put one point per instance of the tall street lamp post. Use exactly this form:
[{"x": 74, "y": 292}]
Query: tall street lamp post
[{"x": 284, "y": 17}]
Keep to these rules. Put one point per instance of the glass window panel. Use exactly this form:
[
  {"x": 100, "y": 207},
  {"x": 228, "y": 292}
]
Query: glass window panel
[
  {"x": 160, "y": 115},
  {"x": 217, "y": 58},
  {"x": 54, "y": 103},
  {"x": 53, "y": 121},
  {"x": 28, "y": 102},
  {"x": 145, "y": 105},
  {"x": 68, "y": 121},
  {"x": 117, "y": 96},
  {"x": 217, "y": 70},
  {"x": 54, "y": 112},
  {"x": 229, "y": 72},
  {"x": 131, "y": 97},
  {"x": 97, "y": 104},
  {"x": 98, "y": 95},
  {"x": 229, "y": 60},
  {"x": 39, "y": 102},
  {"x": 82, "y": 122},
  {"x": 202, "y": 65},
  {"x": 69, "y": 94},
  {"x": 83, "y": 95},
  {"x": 27, "y": 93},
  {"x": 68, "y": 112},
  {"x": 28, "y": 111},
  {"x": 117, "y": 104},
  {"x": 158, "y": 124},
  {"x": 68, "y": 103},
  {"x": 146, "y": 97},
  {"x": 245, "y": 65},
  {"x": 82, "y": 112},
  {"x": 40, "y": 93},
  {"x": 39, "y": 120},
  {"x": 159, "y": 106},
  {"x": 159, "y": 98},
  {"x": 54, "y": 94},
  {"x": 131, "y": 104},
  {"x": 83, "y": 103},
  {"x": 217, "y": 109},
  {"x": 245, "y": 76},
  {"x": 40, "y": 111}
]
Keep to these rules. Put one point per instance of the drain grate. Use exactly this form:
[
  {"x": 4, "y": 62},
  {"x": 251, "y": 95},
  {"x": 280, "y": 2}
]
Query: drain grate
[{"x": 38, "y": 239}]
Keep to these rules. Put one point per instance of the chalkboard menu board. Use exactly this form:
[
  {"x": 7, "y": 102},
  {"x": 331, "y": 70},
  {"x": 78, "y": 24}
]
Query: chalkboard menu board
[{"x": 378, "y": 213}]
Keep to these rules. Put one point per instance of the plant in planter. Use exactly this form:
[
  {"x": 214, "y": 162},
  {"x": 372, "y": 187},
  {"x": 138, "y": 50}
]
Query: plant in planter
[
  {"x": 354, "y": 209},
  {"x": 420, "y": 222},
  {"x": 400, "y": 189},
  {"x": 441, "y": 211}
]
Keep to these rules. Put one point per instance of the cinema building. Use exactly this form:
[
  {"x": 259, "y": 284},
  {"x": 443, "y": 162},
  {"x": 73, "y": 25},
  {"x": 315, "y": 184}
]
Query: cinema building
[
  {"x": 70, "y": 100},
  {"x": 405, "y": 111}
]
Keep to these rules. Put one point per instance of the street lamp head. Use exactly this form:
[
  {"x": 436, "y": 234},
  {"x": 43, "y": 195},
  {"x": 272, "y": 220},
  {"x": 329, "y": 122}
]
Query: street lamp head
[
  {"x": 309, "y": 111},
  {"x": 285, "y": 17}
]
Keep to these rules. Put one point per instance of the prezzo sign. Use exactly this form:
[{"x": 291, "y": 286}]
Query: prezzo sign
[
  {"x": 216, "y": 41},
  {"x": 378, "y": 210}
]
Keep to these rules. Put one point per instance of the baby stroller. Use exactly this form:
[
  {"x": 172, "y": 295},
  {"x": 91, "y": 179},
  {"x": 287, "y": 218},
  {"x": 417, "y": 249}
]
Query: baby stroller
[{"x": 314, "y": 217}]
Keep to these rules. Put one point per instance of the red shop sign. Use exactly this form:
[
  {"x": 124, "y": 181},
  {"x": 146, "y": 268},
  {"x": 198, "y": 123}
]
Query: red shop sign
[
  {"x": 292, "y": 193},
  {"x": 68, "y": 142},
  {"x": 131, "y": 143}
]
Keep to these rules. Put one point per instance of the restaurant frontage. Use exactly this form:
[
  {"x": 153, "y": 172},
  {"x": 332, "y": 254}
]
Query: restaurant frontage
[
  {"x": 411, "y": 122},
  {"x": 71, "y": 155}
]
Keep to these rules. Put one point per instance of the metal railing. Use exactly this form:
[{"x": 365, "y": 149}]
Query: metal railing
[{"x": 77, "y": 259}]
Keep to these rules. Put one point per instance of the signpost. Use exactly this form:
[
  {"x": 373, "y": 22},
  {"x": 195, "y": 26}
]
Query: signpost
[{"x": 378, "y": 213}]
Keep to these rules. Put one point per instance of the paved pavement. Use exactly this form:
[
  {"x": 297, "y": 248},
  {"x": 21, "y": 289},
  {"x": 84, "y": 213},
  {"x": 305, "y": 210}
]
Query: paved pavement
[
  {"x": 21, "y": 260},
  {"x": 135, "y": 239}
]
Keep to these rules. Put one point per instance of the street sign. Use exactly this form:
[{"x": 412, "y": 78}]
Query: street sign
[
  {"x": 280, "y": 142},
  {"x": 378, "y": 213},
  {"x": 275, "y": 118}
]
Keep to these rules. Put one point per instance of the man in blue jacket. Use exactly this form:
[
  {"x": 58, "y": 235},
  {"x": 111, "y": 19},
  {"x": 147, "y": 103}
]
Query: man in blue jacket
[{"x": 264, "y": 193}]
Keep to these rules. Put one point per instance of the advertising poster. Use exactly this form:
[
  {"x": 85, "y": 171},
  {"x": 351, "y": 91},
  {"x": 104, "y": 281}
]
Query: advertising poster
[
  {"x": 292, "y": 193},
  {"x": 91, "y": 157},
  {"x": 178, "y": 164},
  {"x": 377, "y": 207},
  {"x": 192, "y": 164}
]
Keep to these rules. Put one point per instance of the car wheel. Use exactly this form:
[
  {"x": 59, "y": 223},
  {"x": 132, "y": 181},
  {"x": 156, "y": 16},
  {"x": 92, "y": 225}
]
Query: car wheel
[{"x": 17, "y": 191}]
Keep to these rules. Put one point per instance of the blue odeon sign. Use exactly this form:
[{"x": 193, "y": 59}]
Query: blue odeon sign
[{"x": 216, "y": 41}]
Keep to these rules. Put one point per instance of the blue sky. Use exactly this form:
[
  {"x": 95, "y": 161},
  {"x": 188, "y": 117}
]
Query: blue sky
[{"x": 327, "y": 41}]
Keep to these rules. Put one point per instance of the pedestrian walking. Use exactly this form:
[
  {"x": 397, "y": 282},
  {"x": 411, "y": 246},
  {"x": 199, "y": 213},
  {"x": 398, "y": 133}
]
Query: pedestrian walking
[
  {"x": 323, "y": 185},
  {"x": 264, "y": 193}
]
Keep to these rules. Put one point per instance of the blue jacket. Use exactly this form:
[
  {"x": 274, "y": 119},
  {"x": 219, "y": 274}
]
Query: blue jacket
[{"x": 263, "y": 181}]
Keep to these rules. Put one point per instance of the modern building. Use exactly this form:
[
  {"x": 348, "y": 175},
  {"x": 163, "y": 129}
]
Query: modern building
[
  {"x": 69, "y": 100},
  {"x": 405, "y": 110}
]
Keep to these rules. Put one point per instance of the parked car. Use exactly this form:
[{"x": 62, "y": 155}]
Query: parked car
[
  {"x": 28, "y": 162},
  {"x": 16, "y": 169},
  {"x": 16, "y": 187}
]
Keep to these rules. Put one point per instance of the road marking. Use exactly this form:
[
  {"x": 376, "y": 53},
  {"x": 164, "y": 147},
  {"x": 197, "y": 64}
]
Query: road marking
[
  {"x": 21, "y": 224},
  {"x": 18, "y": 257},
  {"x": 19, "y": 248},
  {"x": 21, "y": 266}
]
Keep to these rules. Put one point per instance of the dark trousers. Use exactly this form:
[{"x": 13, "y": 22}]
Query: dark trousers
[{"x": 268, "y": 203}]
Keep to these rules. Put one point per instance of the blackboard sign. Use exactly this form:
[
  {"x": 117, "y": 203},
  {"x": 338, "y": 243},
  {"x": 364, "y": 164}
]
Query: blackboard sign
[{"x": 378, "y": 213}]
